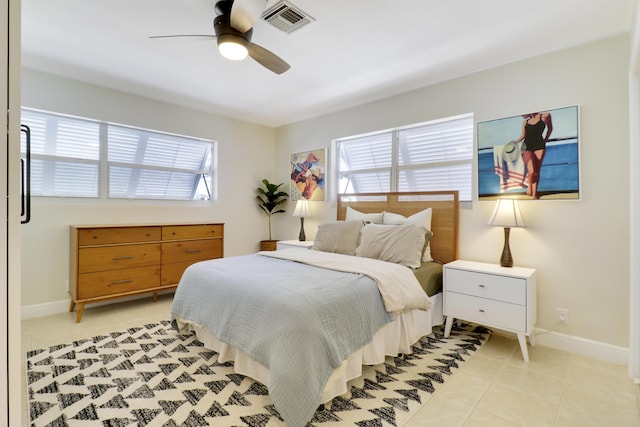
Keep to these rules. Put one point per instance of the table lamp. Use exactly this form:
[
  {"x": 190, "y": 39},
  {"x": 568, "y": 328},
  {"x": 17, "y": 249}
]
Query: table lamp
[
  {"x": 301, "y": 210},
  {"x": 506, "y": 214}
]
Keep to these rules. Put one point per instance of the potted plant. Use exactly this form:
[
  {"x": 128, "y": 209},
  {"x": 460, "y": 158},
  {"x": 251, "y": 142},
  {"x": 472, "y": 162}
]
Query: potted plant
[{"x": 269, "y": 199}]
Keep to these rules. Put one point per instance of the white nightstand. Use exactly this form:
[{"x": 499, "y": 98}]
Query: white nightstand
[
  {"x": 284, "y": 244},
  {"x": 499, "y": 297}
]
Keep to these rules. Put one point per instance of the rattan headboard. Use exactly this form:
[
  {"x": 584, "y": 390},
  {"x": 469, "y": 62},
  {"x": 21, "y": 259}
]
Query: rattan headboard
[{"x": 444, "y": 221}]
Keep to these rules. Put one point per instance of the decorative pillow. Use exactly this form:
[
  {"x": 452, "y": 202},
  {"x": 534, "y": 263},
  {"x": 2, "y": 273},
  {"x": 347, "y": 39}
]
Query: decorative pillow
[
  {"x": 340, "y": 237},
  {"x": 373, "y": 218},
  {"x": 401, "y": 244},
  {"x": 422, "y": 218}
]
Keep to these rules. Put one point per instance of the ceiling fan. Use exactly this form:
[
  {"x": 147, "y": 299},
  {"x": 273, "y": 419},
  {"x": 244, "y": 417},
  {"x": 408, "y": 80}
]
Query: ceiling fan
[{"x": 233, "y": 28}]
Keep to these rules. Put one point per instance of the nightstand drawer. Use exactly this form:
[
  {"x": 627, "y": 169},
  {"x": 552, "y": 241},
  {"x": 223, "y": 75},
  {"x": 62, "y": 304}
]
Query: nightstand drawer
[
  {"x": 492, "y": 286},
  {"x": 486, "y": 311}
]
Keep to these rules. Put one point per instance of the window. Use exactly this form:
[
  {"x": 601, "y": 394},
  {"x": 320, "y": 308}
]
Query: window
[
  {"x": 65, "y": 155},
  {"x": 71, "y": 156},
  {"x": 429, "y": 156}
]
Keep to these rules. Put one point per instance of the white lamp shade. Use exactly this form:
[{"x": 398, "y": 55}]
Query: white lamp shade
[
  {"x": 302, "y": 208},
  {"x": 506, "y": 214}
]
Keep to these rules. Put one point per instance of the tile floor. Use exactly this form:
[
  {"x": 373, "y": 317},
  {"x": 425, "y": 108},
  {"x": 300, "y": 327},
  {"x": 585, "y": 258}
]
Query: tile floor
[{"x": 494, "y": 388}]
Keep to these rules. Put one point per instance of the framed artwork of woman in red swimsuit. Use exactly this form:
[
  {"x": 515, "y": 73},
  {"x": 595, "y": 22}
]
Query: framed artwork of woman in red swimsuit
[{"x": 531, "y": 156}]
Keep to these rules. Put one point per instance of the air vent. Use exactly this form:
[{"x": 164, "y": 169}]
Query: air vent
[{"x": 286, "y": 17}]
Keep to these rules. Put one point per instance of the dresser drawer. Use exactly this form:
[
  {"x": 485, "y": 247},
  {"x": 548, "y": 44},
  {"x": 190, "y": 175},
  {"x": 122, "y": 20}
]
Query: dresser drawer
[
  {"x": 171, "y": 273},
  {"x": 117, "y": 281},
  {"x": 200, "y": 231},
  {"x": 117, "y": 257},
  {"x": 486, "y": 311},
  {"x": 496, "y": 287},
  {"x": 114, "y": 235},
  {"x": 192, "y": 250}
]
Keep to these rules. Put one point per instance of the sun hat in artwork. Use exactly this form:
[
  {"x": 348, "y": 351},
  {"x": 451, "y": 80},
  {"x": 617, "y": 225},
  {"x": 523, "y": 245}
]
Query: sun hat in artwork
[{"x": 511, "y": 151}]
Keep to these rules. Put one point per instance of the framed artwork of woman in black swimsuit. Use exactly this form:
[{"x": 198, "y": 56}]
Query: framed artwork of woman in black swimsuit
[{"x": 530, "y": 156}]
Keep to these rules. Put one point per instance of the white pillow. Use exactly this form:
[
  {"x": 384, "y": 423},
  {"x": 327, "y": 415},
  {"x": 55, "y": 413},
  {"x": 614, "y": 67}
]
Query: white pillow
[
  {"x": 340, "y": 237},
  {"x": 353, "y": 215},
  {"x": 422, "y": 218},
  {"x": 401, "y": 244}
]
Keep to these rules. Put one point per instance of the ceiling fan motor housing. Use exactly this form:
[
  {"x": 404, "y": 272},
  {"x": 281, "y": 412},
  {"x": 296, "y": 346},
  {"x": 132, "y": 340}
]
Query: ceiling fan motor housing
[
  {"x": 225, "y": 33},
  {"x": 223, "y": 7}
]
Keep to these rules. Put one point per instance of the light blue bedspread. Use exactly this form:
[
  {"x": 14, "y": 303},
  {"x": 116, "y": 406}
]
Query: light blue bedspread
[{"x": 298, "y": 320}]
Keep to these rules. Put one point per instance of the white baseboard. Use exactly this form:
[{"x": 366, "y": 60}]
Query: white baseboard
[
  {"x": 585, "y": 347},
  {"x": 572, "y": 344},
  {"x": 58, "y": 307},
  {"x": 46, "y": 309}
]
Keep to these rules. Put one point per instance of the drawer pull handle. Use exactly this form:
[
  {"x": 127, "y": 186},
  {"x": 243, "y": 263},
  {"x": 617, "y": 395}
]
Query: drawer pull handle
[
  {"x": 193, "y": 251},
  {"x": 481, "y": 285},
  {"x": 119, "y": 282},
  {"x": 481, "y": 310},
  {"x": 119, "y": 258}
]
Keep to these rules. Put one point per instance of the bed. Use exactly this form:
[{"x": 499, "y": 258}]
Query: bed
[{"x": 281, "y": 316}]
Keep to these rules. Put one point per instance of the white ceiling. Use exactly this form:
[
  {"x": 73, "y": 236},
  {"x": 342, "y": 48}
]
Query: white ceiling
[{"x": 356, "y": 51}]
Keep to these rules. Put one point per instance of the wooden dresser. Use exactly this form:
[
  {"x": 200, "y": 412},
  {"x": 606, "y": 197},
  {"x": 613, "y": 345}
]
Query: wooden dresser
[{"x": 115, "y": 261}]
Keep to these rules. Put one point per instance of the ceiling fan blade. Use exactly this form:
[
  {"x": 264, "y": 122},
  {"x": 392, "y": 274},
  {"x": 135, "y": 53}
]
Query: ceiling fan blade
[
  {"x": 268, "y": 59},
  {"x": 182, "y": 35},
  {"x": 244, "y": 13}
]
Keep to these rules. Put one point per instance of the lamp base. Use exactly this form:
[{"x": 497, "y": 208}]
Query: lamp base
[
  {"x": 302, "y": 237},
  {"x": 506, "y": 260}
]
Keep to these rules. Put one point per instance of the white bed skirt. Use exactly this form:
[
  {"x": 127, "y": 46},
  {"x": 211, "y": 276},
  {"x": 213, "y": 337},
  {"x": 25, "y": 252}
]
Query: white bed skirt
[{"x": 393, "y": 338}]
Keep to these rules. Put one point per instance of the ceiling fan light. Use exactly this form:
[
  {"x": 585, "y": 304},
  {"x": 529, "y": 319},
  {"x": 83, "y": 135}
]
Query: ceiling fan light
[{"x": 232, "y": 50}]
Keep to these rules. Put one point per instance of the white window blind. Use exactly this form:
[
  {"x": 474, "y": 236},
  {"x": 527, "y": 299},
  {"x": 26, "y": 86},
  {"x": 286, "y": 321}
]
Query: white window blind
[
  {"x": 66, "y": 160},
  {"x": 425, "y": 157},
  {"x": 65, "y": 155},
  {"x": 365, "y": 163},
  {"x": 145, "y": 164}
]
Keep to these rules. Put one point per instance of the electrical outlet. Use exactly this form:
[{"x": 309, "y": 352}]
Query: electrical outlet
[{"x": 562, "y": 314}]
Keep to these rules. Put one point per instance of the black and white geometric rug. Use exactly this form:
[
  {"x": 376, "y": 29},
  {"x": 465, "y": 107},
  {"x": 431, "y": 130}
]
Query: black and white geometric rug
[{"x": 153, "y": 376}]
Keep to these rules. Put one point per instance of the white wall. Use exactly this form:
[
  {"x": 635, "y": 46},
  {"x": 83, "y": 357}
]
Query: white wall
[
  {"x": 580, "y": 248},
  {"x": 245, "y": 156}
]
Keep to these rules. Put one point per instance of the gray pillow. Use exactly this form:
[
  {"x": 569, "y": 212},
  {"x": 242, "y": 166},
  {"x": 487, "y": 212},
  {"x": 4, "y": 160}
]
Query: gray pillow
[
  {"x": 422, "y": 218},
  {"x": 401, "y": 244},
  {"x": 340, "y": 237}
]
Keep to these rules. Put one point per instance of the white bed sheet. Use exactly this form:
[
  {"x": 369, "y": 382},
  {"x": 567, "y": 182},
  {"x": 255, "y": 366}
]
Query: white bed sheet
[{"x": 393, "y": 338}]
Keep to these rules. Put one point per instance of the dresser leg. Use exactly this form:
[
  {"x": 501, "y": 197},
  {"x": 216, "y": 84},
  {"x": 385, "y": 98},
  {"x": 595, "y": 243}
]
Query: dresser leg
[
  {"x": 155, "y": 296},
  {"x": 72, "y": 306},
  {"x": 522, "y": 339},
  {"x": 447, "y": 326},
  {"x": 79, "y": 313}
]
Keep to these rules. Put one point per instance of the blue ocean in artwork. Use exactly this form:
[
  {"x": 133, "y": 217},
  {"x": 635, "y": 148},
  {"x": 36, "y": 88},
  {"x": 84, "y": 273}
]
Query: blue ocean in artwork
[{"x": 559, "y": 172}]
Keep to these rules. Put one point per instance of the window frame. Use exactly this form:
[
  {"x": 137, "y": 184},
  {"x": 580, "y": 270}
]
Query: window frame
[
  {"x": 395, "y": 169},
  {"x": 104, "y": 165}
]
